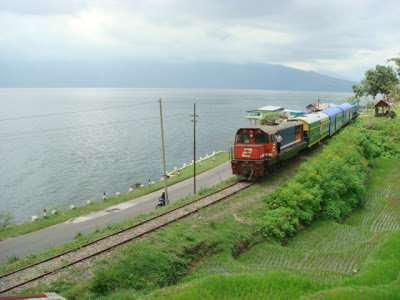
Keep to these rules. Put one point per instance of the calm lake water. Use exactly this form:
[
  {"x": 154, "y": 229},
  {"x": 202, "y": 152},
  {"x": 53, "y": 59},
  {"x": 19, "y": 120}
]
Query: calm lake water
[{"x": 66, "y": 146}]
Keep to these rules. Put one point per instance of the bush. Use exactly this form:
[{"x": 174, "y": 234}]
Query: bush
[
  {"x": 143, "y": 272},
  {"x": 279, "y": 223},
  {"x": 329, "y": 186}
]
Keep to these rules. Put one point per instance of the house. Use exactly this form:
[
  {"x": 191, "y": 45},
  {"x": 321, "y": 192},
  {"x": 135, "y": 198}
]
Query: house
[
  {"x": 256, "y": 114},
  {"x": 314, "y": 107}
]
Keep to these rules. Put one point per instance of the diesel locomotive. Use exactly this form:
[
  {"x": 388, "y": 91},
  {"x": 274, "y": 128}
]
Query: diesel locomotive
[{"x": 255, "y": 147}]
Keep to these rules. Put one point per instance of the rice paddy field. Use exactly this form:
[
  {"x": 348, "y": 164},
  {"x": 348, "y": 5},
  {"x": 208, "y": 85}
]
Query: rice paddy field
[{"x": 356, "y": 259}]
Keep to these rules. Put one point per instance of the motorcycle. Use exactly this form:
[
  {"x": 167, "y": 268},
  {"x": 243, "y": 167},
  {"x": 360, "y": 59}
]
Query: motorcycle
[{"x": 161, "y": 202}]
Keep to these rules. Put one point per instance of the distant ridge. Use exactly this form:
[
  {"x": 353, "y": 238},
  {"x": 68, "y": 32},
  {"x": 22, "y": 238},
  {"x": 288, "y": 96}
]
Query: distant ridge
[{"x": 162, "y": 75}]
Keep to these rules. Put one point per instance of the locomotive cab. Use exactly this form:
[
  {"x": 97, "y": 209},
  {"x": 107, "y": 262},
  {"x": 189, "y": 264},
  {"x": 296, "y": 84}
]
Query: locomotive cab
[
  {"x": 255, "y": 147},
  {"x": 252, "y": 144}
]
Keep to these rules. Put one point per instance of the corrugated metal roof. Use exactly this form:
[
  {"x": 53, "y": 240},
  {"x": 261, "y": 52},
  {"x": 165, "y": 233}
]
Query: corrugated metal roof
[
  {"x": 313, "y": 117},
  {"x": 271, "y": 129},
  {"x": 321, "y": 106},
  {"x": 269, "y": 108}
]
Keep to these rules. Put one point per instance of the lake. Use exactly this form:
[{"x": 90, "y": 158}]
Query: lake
[{"x": 66, "y": 146}]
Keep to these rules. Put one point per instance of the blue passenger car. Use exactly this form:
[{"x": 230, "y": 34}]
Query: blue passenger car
[
  {"x": 335, "y": 118},
  {"x": 347, "y": 112},
  {"x": 354, "y": 109}
]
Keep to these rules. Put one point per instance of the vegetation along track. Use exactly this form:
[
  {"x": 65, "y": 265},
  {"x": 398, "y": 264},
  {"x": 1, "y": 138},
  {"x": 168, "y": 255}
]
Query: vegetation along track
[{"x": 45, "y": 268}]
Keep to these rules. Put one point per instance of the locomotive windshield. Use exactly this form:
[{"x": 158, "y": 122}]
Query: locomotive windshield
[
  {"x": 261, "y": 138},
  {"x": 243, "y": 138}
]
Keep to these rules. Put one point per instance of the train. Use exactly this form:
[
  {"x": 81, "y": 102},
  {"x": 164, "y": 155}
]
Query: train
[{"x": 255, "y": 151}]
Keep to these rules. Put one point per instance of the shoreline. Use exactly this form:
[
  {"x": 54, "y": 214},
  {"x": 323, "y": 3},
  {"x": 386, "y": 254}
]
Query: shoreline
[{"x": 74, "y": 212}]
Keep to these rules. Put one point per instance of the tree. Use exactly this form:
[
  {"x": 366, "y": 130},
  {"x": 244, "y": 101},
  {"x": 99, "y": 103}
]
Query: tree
[
  {"x": 270, "y": 117},
  {"x": 397, "y": 62},
  {"x": 379, "y": 80},
  {"x": 358, "y": 90}
]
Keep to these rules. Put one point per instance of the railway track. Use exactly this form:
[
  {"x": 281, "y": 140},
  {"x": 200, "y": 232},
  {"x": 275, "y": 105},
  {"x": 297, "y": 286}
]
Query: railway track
[{"x": 29, "y": 275}]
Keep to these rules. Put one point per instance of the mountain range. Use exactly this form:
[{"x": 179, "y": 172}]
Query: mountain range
[{"x": 165, "y": 75}]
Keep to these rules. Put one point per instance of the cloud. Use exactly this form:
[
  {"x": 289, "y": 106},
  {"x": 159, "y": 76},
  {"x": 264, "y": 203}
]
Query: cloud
[
  {"x": 334, "y": 35},
  {"x": 42, "y": 7}
]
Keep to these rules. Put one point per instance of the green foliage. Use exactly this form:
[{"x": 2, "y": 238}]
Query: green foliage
[
  {"x": 321, "y": 259},
  {"x": 270, "y": 117},
  {"x": 359, "y": 91},
  {"x": 379, "y": 80},
  {"x": 13, "y": 259},
  {"x": 274, "y": 285},
  {"x": 383, "y": 136},
  {"x": 397, "y": 62},
  {"x": 329, "y": 186},
  {"x": 143, "y": 271},
  {"x": 279, "y": 223}
]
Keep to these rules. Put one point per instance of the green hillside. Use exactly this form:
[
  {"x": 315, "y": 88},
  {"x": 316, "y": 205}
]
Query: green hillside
[
  {"x": 354, "y": 260},
  {"x": 326, "y": 225}
]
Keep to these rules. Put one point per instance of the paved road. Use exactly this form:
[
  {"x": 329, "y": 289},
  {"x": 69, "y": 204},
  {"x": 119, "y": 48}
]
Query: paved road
[{"x": 43, "y": 239}]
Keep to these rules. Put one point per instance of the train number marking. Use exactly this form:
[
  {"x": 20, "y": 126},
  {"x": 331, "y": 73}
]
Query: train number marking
[{"x": 247, "y": 152}]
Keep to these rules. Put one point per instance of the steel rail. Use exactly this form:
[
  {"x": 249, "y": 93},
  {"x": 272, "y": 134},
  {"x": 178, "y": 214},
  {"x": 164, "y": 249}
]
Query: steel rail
[{"x": 118, "y": 232}]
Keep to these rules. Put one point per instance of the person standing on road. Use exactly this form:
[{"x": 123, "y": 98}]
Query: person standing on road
[{"x": 278, "y": 142}]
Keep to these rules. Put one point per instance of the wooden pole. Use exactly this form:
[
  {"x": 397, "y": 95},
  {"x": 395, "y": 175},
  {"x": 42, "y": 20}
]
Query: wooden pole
[
  {"x": 194, "y": 146},
  {"x": 163, "y": 153}
]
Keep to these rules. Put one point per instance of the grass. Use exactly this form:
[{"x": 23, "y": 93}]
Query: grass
[
  {"x": 182, "y": 245},
  {"x": 64, "y": 215},
  {"x": 80, "y": 239},
  {"x": 318, "y": 263}
]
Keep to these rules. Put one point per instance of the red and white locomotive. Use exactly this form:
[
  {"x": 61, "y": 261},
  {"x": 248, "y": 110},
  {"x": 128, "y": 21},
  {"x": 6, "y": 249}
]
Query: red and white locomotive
[{"x": 255, "y": 148}]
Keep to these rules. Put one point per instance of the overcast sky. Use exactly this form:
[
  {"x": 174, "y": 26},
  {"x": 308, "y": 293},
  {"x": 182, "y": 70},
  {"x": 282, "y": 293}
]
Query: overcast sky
[{"x": 344, "y": 37}]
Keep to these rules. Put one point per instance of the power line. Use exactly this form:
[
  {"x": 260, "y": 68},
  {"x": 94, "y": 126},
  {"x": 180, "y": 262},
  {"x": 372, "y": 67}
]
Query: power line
[
  {"x": 74, "y": 112},
  {"x": 38, "y": 134},
  {"x": 12, "y": 134},
  {"x": 19, "y": 134}
]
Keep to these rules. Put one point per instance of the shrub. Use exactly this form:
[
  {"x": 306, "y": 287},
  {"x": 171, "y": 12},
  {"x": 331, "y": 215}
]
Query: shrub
[
  {"x": 279, "y": 223},
  {"x": 329, "y": 186},
  {"x": 142, "y": 272}
]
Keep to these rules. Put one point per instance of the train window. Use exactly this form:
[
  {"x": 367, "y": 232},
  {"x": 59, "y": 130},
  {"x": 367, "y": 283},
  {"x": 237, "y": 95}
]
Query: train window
[
  {"x": 261, "y": 138},
  {"x": 272, "y": 139},
  {"x": 243, "y": 138}
]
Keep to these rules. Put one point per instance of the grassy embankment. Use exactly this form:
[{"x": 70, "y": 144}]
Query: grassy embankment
[
  {"x": 356, "y": 259},
  {"x": 242, "y": 248},
  {"x": 63, "y": 214}
]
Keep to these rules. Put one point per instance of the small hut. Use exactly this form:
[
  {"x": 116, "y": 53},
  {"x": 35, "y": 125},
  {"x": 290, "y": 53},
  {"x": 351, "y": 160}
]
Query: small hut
[{"x": 382, "y": 104}]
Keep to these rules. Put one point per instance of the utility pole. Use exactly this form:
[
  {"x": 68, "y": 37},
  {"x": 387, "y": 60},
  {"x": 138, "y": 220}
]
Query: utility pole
[
  {"x": 194, "y": 146},
  {"x": 329, "y": 96},
  {"x": 163, "y": 152}
]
